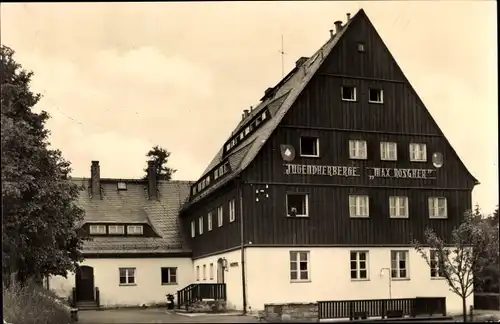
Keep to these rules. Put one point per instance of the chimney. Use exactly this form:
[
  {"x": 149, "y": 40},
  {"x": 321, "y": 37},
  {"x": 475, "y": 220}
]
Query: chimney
[
  {"x": 301, "y": 61},
  {"x": 251, "y": 108},
  {"x": 152, "y": 185},
  {"x": 348, "y": 16},
  {"x": 338, "y": 26},
  {"x": 95, "y": 180},
  {"x": 331, "y": 33},
  {"x": 245, "y": 113}
]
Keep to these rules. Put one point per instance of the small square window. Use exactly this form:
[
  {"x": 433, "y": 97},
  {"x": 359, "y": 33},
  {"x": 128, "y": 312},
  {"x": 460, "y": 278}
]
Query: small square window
[
  {"x": 297, "y": 205},
  {"x": 418, "y": 152},
  {"x": 127, "y": 276},
  {"x": 388, "y": 151},
  {"x": 357, "y": 149},
  {"x": 168, "y": 276},
  {"x": 359, "y": 206},
  {"x": 361, "y": 47},
  {"x": 122, "y": 185},
  {"x": 398, "y": 207},
  {"x": 438, "y": 207},
  {"x": 376, "y": 96},
  {"x": 309, "y": 146},
  {"x": 348, "y": 93}
]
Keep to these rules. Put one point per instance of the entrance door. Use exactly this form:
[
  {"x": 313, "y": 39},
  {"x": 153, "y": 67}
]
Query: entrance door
[
  {"x": 220, "y": 271},
  {"x": 84, "y": 283}
]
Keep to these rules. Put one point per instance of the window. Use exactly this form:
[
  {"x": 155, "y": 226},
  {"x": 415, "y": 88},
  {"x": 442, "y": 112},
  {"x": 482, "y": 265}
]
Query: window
[
  {"x": 436, "y": 265},
  {"x": 309, "y": 146},
  {"x": 97, "y": 229},
  {"x": 200, "y": 225},
  {"x": 193, "y": 229},
  {"x": 348, "y": 93},
  {"x": 437, "y": 207},
  {"x": 399, "y": 265},
  {"x": 127, "y": 276},
  {"x": 220, "y": 216},
  {"x": 121, "y": 186},
  {"x": 116, "y": 229},
  {"x": 299, "y": 266},
  {"x": 418, "y": 152},
  {"x": 204, "y": 272},
  {"x": 357, "y": 149},
  {"x": 216, "y": 174},
  {"x": 134, "y": 230},
  {"x": 297, "y": 205},
  {"x": 168, "y": 276},
  {"x": 398, "y": 207},
  {"x": 388, "y": 151},
  {"x": 361, "y": 47},
  {"x": 358, "y": 206},
  {"x": 232, "y": 210},
  {"x": 197, "y": 273},
  {"x": 209, "y": 220},
  {"x": 376, "y": 96},
  {"x": 211, "y": 274},
  {"x": 359, "y": 265}
]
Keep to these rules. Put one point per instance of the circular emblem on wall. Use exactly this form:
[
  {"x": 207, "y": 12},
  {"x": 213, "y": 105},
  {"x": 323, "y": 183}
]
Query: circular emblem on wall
[
  {"x": 287, "y": 152},
  {"x": 437, "y": 159}
]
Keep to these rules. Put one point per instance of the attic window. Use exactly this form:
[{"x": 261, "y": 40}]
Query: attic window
[
  {"x": 361, "y": 47},
  {"x": 376, "y": 96},
  {"x": 97, "y": 229},
  {"x": 264, "y": 116},
  {"x": 134, "y": 230},
  {"x": 116, "y": 229},
  {"x": 348, "y": 93},
  {"x": 122, "y": 186}
]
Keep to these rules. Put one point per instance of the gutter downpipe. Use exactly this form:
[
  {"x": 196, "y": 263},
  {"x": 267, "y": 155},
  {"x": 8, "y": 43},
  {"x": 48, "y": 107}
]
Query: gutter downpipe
[{"x": 242, "y": 244}]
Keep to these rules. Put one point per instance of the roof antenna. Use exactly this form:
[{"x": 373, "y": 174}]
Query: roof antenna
[{"x": 282, "y": 52}]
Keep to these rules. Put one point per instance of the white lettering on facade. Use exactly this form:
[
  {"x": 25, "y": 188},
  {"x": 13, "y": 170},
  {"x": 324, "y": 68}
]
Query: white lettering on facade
[
  {"x": 402, "y": 173},
  {"x": 322, "y": 170}
]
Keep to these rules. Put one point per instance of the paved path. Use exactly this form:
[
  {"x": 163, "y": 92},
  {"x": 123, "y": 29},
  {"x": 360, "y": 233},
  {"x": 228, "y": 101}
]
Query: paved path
[{"x": 154, "y": 315}]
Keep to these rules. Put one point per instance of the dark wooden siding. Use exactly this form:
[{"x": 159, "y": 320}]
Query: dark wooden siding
[
  {"x": 334, "y": 150},
  {"x": 329, "y": 221},
  {"x": 375, "y": 62},
  {"x": 320, "y": 105},
  {"x": 219, "y": 238}
]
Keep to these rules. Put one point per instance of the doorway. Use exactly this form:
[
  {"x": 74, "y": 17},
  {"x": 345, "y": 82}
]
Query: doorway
[
  {"x": 84, "y": 283},
  {"x": 220, "y": 270}
]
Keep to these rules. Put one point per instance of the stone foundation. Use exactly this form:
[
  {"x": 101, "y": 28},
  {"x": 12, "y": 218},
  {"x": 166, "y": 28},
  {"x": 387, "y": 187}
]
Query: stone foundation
[
  {"x": 291, "y": 312},
  {"x": 207, "y": 306}
]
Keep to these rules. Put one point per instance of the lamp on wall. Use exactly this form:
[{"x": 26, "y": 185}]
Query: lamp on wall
[{"x": 224, "y": 264}]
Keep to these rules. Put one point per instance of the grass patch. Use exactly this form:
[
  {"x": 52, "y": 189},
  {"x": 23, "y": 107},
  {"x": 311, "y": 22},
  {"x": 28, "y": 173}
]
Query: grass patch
[{"x": 32, "y": 304}]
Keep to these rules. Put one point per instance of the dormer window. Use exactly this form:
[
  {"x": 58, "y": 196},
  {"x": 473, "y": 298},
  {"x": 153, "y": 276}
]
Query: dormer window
[
  {"x": 247, "y": 130},
  {"x": 134, "y": 230},
  {"x": 216, "y": 174},
  {"x": 116, "y": 229},
  {"x": 97, "y": 229},
  {"x": 264, "y": 115},
  {"x": 122, "y": 185}
]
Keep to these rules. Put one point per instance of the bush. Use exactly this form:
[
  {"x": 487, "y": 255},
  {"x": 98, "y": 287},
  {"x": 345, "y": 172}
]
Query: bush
[{"x": 32, "y": 304}]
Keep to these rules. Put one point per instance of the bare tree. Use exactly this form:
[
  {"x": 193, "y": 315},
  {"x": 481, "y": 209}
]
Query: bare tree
[{"x": 473, "y": 246}]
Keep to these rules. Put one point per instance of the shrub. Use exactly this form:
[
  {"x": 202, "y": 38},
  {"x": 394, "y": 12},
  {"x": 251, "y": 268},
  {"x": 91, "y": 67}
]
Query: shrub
[{"x": 30, "y": 304}]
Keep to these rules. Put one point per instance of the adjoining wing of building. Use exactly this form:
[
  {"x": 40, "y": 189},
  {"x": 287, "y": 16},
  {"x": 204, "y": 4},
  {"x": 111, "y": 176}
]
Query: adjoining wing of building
[{"x": 315, "y": 195}]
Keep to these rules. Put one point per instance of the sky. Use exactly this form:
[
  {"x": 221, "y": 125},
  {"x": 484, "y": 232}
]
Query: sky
[{"x": 118, "y": 78}]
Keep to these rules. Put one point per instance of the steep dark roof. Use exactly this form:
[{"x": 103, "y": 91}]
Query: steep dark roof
[
  {"x": 133, "y": 206},
  {"x": 278, "y": 100}
]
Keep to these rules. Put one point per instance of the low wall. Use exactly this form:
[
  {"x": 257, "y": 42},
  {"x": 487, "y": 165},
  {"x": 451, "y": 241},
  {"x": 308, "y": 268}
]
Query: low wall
[{"x": 291, "y": 312}]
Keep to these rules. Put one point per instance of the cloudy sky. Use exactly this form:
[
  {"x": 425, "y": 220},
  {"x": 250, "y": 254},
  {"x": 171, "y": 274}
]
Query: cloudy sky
[{"x": 120, "y": 78}]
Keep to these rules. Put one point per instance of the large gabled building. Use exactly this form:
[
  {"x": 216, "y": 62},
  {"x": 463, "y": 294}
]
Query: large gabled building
[{"x": 319, "y": 190}]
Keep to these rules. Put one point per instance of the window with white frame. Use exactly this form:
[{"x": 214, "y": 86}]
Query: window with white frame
[
  {"x": 437, "y": 207},
  {"x": 116, "y": 229},
  {"x": 200, "y": 225},
  {"x": 197, "y": 273},
  {"x": 299, "y": 265},
  {"x": 232, "y": 210},
  {"x": 134, "y": 229},
  {"x": 193, "y": 229},
  {"x": 388, "y": 151},
  {"x": 359, "y": 265},
  {"x": 358, "y": 149},
  {"x": 204, "y": 272},
  {"x": 127, "y": 276},
  {"x": 309, "y": 146},
  {"x": 436, "y": 265},
  {"x": 359, "y": 206},
  {"x": 220, "y": 216},
  {"x": 398, "y": 207},
  {"x": 348, "y": 93},
  {"x": 297, "y": 204},
  {"x": 97, "y": 229},
  {"x": 376, "y": 96},
  {"x": 209, "y": 221},
  {"x": 418, "y": 152},
  {"x": 168, "y": 276},
  {"x": 211, "y": 271},
  {"x": 399, "y": 265}
]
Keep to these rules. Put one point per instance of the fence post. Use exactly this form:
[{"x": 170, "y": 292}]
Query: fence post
[
  {"x": 384, "y": 308},
  {"x": 471, "y": 313}
]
